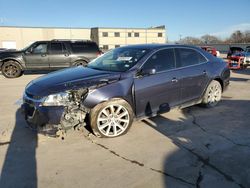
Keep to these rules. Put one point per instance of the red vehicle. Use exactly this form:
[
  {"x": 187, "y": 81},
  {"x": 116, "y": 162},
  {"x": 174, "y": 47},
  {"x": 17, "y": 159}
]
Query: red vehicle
[
  {"x": 210, "y": 49},
  {"x": 237, "y": 56},
  {"x": 236, "y": 64}
]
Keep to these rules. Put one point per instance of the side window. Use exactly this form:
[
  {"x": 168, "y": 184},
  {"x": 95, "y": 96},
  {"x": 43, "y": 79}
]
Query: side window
[
  {"x": 187, "y": 57},
  {"x": 161, "y": 61},
  {"x": 56, "y": 48},
  {"x": 39, "y": 48},
  {"x": 79, "y": 47}
]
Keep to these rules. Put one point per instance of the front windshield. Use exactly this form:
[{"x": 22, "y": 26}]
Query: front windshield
[{"x": 118, "y": 60}]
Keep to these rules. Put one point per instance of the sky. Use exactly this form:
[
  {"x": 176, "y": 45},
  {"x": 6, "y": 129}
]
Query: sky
[{"x": 182, "y": 18}]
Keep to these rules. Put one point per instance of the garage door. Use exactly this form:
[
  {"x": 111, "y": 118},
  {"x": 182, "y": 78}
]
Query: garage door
[{"x": 9, "y": 44}]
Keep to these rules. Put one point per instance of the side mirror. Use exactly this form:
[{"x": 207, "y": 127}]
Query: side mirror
[
  {"x": 147, "y": 72},
  {"x": 29, "y": 51}
]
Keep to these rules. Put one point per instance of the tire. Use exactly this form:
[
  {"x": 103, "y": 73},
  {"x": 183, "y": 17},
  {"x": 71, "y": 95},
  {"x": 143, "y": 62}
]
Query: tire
[
  {"x": 11, "y": 69},
  {"x": 108, "y": 124},
  {"x": 212, "y": 95},
  {"x": 81, "y": 63}
]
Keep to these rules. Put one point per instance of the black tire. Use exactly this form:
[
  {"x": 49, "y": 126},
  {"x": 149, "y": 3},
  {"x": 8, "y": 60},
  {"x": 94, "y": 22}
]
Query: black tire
[
  {"x": 212, "y": 95},
  {"x": 114, "y": 127},
  {"x": 81, "y": 63},
  {"x": 11, "y": 69}
]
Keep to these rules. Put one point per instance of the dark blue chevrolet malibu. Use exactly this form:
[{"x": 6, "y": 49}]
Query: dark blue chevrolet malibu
[{"x": 124, "y": 83}]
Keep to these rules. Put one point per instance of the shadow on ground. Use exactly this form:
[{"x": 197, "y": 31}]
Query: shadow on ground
[
  {"x": 216, "y": 146},
  {"x": 20, "y": 167},
  {"x": 242, "y": 71}
]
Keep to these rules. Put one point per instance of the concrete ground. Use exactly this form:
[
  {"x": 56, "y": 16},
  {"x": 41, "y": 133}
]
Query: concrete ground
[{"x": 193, "y": 147}]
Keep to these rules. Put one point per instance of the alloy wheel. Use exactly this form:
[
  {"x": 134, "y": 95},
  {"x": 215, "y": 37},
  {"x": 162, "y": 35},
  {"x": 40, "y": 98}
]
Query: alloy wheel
[
  {"x": 113, "y": 120},
  {"x": 214, "y": 94}
]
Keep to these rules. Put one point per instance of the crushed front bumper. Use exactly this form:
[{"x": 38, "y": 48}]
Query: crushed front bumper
[{"x": 37, "y": 115}]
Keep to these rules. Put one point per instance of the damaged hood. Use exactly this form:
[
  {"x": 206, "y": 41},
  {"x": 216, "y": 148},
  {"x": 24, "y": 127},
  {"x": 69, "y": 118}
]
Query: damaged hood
[{"x": 70, "y": 78}]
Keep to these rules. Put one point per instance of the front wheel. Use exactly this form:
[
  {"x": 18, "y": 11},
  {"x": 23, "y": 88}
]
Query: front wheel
[
  {"x": 111, "y": 119},
  {"x": 11, "y": 69},
  {"x": 212, "y": 95}
]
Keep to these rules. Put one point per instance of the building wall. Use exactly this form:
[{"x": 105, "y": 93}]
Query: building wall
[
  {"x": 20, "y": 37},
  {"x": 23, "y": 36},
  {"x": 146, "y": 36}
]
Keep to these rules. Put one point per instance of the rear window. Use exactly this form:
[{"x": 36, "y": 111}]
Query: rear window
[{"x": 80, "y": 47}]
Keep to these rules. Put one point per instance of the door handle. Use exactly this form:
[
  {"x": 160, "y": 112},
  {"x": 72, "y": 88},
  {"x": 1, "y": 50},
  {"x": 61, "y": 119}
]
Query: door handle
[
  {"x": 174, "y": 80},
  {"x": 204, "y": 72},
  {"x": 43, "y": 55},
  {"x": 66, "y": 55}
]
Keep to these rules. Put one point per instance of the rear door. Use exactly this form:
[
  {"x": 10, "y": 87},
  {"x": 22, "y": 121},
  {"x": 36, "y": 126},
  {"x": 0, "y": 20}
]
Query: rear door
[
  {"x": 193, "y": 69},
  {"x": 157, "y": 92},
  {"x": 36, "y": 57},
  {"x": 58, "y": 55}
]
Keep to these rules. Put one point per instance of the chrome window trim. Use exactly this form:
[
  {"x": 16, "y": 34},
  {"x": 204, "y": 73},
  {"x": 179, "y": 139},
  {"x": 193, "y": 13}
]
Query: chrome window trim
[{"x": 176, "y": 68}]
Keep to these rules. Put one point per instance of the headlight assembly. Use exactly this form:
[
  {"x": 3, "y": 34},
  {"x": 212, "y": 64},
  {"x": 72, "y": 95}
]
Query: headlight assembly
[{"x": 58, "y": 99}]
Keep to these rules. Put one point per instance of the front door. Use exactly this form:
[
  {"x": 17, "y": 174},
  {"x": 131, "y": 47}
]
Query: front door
[
  {"x": 37, "y": 57},
  {"x": 157, "y": 92}
]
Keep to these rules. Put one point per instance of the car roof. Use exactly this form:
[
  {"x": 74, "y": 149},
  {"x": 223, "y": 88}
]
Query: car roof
[
  {"x": 66, "y": 40},
  {"x": 157, "y": 46}
]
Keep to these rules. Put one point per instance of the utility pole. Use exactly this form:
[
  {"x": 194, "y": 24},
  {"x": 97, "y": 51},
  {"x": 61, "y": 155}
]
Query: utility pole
[{"x": 180, "y": 36}]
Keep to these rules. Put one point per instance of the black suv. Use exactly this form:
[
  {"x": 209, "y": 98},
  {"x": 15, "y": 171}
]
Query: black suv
[{"x": 48, "y": 55}]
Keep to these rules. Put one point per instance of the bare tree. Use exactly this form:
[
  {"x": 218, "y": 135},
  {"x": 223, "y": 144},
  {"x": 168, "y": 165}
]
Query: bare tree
[
  {"x": 190, "y": 40},
  {"x": 209, "y": 39}
]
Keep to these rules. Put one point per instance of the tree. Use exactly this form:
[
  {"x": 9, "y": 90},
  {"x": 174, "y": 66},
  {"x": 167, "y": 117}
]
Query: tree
[
  {"x": 237, "y": 37},
  {"x": 209, "y": 39},
  {"x": 191, "y": 40}
]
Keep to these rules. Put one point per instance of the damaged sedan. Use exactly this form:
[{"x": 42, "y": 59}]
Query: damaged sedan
[{"x": 124, "y": 84}]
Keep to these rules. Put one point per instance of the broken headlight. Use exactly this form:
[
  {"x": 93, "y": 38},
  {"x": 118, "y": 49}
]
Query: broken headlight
[{"x": 58, "y": 99}]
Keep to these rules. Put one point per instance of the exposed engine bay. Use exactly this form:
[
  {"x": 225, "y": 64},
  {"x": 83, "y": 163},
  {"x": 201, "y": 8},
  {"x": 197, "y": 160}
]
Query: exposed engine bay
[{"x": 73, "y": 117}]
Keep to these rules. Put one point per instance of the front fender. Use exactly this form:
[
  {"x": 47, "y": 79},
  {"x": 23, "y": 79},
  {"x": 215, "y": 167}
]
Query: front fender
[
  {"x": 121, "y": 89},
  {"x": 18, "y": 60}
]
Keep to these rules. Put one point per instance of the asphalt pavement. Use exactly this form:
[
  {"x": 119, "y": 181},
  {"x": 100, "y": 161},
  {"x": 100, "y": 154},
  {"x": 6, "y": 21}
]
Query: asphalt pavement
[{"x": 192, "y": 147}]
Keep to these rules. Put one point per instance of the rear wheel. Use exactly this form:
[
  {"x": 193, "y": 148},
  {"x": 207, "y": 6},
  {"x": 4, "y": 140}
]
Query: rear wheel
[
  {"x": 212, "y": 95},
  {"x": 111, "y": 119},
  {"x": 11, "y": 69}
]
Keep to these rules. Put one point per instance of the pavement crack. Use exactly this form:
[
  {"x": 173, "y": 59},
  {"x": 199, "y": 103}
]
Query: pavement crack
[
  {"x": 200, "y": 177},
  {"x": 194, "y": 121},
  {"x": 206, "y": 162},
  {"x": 140, "y": 164}
]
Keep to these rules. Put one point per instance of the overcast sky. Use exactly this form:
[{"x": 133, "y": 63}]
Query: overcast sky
[{"x": 181, "y": 17}]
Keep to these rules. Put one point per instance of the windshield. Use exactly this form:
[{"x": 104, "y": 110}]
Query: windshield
[{"x": 118, "y": 60}]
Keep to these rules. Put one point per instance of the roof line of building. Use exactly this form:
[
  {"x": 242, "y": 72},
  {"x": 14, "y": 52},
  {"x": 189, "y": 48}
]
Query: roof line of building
[{"x": 36, "y": 27}]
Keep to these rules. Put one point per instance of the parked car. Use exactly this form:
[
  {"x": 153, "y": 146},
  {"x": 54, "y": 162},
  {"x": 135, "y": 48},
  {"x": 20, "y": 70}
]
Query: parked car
[
  {"x": 233, "y": 50},
  {"x": 133, "y": 81},
  {"x": 48, "y": 55},
  {"x": 246, "y": 61},
  {"x": 210, "y": 49},
  {"x": 236, "y": 56},
  {"x": 2, "y": 49}
]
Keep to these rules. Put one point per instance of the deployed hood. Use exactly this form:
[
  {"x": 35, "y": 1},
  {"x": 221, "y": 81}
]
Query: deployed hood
[{"x": 70, "y": 78}]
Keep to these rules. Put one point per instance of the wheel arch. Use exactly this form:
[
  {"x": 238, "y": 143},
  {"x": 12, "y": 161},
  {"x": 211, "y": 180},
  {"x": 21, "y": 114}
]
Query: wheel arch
[
  {"x": 12, "y": 59},
  {"x": 218, "y": 79},
  {"x": 79, "y": 59}
]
